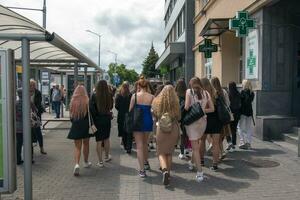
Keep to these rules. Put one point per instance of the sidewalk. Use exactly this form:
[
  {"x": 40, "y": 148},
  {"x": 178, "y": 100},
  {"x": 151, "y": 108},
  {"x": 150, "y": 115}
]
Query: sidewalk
[{"x": 266, "y": 172}]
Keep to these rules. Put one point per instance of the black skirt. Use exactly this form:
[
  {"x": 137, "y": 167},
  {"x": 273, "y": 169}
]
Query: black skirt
[
  {"x": 214, "y": 125},
  {"x": 79, "y": 129},
  {"x": 103, "y": 125}
]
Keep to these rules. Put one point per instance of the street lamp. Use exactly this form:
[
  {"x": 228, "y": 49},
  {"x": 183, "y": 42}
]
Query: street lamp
[
  {"x": 97, "y": 34},
  {"x": 115, "y": 54}
]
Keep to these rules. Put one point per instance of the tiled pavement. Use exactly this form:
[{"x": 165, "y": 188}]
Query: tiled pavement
[{"x": 266, "y": 172}]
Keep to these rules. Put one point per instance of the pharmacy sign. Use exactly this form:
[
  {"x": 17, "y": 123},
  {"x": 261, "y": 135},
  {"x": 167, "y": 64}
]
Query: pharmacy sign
[
  {"x": 207, "y": 48},
  {"x": 251, "y": 64},
  {"x": 241, "y": 24}
]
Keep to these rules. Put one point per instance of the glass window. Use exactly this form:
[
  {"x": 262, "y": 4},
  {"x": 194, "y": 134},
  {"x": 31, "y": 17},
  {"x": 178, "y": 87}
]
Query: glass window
[{"x": 208, "y": 67}]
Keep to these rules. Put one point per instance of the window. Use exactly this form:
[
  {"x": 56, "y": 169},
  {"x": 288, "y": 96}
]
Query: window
[
  {"x": 179, "y": 25},
  {"x": 208, "y": 68}
]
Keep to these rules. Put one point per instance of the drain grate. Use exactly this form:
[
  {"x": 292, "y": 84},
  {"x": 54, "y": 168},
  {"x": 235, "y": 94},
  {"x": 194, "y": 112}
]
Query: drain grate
[{"x": 261, "y": 163}]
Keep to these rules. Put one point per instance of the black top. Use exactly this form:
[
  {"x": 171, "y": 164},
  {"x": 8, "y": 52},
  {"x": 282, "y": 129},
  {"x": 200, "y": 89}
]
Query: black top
[
  {"x": 38, "y": 102},
  {"x": 122, "y": 105},
  {"x": 235, "y": 102},
  {"x": 79, "y": 128},
  {"x": 247, "y": 98}
]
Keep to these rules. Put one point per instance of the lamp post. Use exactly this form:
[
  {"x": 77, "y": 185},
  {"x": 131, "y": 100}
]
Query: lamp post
[{"x": 99, "y": 49}]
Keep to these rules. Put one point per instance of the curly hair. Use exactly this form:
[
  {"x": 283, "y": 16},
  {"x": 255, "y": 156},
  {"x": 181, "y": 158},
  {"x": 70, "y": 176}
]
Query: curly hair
[{"x": 166, "y": 102}]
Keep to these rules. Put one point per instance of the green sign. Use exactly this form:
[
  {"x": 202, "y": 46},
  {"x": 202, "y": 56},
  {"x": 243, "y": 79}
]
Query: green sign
[
  {"x": 207, "y": 48},
  {"x": 251, "y": 62},
  {"x": 241, "y": 24},
  {"x": 251, "y": 51}
]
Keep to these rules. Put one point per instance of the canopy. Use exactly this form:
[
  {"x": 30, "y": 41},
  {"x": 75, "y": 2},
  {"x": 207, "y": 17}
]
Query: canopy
[
  {"x": 45, "y": 48},
  {"x": 215, "y": 27}
]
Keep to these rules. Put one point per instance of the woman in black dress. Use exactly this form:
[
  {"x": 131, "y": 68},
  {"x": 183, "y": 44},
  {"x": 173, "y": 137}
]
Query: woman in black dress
[
  {"x": 122, "y": 105},
  {"x": 79, "y": 131},
  {"x": 101, "y": 105}
]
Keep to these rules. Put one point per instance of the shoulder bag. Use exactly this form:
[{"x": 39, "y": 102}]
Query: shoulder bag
[
  {"x": 92, "y": 127},
  {"x": 134, "y": 119},
  {"x": 224, "y": 112}
]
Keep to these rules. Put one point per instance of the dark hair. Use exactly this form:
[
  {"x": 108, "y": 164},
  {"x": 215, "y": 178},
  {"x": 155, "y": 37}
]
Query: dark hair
[
  {"x": 196, "y": 85},
  {"x": 124, "y": 91},
  {"x": 159, "y": 89},
  {"x": 103, "y": 97},
  {"x": 142, "y": 82},
  {"x": 217, "y": 85},
  {"x": 232, "y": 89},
  {"x": 181, "y": 88}
]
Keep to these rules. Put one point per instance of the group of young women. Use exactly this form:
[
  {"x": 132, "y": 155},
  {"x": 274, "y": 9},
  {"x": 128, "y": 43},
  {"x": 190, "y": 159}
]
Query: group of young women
[{"x": 163, "y": 113}]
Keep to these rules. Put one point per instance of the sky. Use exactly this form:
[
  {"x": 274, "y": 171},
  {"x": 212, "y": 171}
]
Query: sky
[{"x": 128, "y": 27}]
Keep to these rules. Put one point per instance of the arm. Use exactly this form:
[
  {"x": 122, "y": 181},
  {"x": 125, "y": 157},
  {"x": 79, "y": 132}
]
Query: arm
[
  {"x": 210, "y": 105},
  {"x": 187, "y": 100},
  {"x": 132, "y": 102}
]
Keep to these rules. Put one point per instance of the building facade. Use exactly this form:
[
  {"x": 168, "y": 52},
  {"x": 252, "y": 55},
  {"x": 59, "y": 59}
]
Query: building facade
[
  {"x": 179, "y": 39},
  {"x": 269, "y": 56}
]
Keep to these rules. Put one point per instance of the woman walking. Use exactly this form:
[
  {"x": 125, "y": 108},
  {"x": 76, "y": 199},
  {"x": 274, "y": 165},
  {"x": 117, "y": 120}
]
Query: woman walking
[
  {"x": 166, "y": 109},
  {"x": 143, "y": 100},
  {"x": 122, "y": 105},
  {"x": 181, "y": 90},
  {"x": 245, "y": 127},
  {"x": 101, "y": 105},
  {"x": 213, "y": 128},
  {"x": 79, "y": 131},
  {"x": 195, "y": 130},
  {"x": 235, "y": 106}
]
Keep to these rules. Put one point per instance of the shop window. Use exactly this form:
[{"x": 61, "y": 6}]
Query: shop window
[{"x": 208, "y": 68}]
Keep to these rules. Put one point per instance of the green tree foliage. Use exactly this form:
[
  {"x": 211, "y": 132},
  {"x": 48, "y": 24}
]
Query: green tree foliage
[
  {"x": 149, "y": 70},
  {"x": 125, "y": 74}
]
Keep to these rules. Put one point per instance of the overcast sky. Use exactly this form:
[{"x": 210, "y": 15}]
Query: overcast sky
[{"x": 128, "y": 26}]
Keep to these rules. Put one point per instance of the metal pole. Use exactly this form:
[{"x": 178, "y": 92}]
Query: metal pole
[
  {"x": 99, "y": 63},
  {"x": 62, "y": 103},
  {"x": 85, "y": 77},
  {"x": 26, "y": 121},
  {"x": 44, "y": 15}
]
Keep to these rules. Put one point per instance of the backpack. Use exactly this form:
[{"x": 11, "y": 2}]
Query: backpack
[{"x": 165, "y": 123}]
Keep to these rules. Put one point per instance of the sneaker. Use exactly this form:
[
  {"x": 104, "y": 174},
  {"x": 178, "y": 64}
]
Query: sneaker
[
  {"x": 87, "y": 164},
  {"x": 142, "y": 173},
  {"x": 199, "y": 177},
  {"x": 166, "y": 176},
  {"x": 76, "y": 170},
  {"x": 147, "y": 166},
  {"x": 100, "y": 164},
  {"x": 108, "y": 158},
  {"x": 181, "y": 156},
  {"x": 214, "y": 168},
  {"x": 190, "y": 165},
  {"x": 243, "y": 146}
]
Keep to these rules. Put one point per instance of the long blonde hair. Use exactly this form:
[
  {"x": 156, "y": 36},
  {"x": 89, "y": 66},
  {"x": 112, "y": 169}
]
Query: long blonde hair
[
  {"x": 209, "y": 88},
  {"x": 79, "y": 103},
  {"x": 247, "y": 84},
  {"x": 166, "y": 102}
]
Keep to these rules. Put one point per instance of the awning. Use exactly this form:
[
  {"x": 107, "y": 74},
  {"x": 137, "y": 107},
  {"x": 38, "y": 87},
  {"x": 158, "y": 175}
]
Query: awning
[
  {"x": 49, "y": 48},
  {"x": 173, "y": 51},
  {"x": 215, "y": 27}
]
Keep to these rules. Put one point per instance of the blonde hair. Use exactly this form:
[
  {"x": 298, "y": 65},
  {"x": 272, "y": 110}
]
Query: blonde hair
[
  {"x": 247, "y": 84},
  {"x": 167, "y": 102},
  {"x": 79, "y": 103},
  {"x": 209, "y": 88}
]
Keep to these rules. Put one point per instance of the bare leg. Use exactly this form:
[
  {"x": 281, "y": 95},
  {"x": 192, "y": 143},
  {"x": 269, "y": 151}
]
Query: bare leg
[
  {"x": 163, "y": 161},
  {"x": 145, "y": 146},
  {"x": 169, "y": 159},
  {"x": 99, "y": 151},
  {"x": 196, "y": 154},
  {"x": 78, "y": 144},
  {"x": 139, "y": 148},
  {"x": 86, "y": 149},
  {"x": 202, "y": 146},
  {"x": 106, "y": 147},
  {"x": 216, "y": 147}
]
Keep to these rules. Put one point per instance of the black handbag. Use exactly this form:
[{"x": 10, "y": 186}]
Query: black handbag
[
  {"x": 223, "y": 111},
  {"x": 134, "y": 119},
  {"x": 194, "y": 113}
]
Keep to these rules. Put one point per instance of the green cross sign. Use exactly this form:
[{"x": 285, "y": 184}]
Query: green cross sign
[
  {"x": 241, "y": 23},
  {"x": 251, "y": 62},
  {"x": 208, "y": 47}
]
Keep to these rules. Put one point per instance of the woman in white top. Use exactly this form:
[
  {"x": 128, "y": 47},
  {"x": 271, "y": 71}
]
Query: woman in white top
[{"x": 196, "y": 129}]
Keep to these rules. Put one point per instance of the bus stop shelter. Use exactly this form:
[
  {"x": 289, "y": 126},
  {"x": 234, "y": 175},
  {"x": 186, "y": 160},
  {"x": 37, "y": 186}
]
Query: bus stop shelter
[{"x": 35, "y": 46}]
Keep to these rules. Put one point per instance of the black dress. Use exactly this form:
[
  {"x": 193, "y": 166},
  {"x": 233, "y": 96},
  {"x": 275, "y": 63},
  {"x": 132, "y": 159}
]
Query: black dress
[
  {"x": 122, "y": 106},
  {"x": 79, "y": 129},
  {"x": 102, "y": 121},
  {"x": 214, "y": 124}
]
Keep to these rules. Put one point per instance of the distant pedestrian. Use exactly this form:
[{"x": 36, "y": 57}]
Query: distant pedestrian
[
  {"x": 101, "y": 105},
  {"x": 167, "y": 112},
  {"x": 36, "y": 100},
  {"x": 235, "y": 106},
  {"x": 245, "y": 125},
  {"x": 19, "y": 127},
  {"x": 79, "y": 132},
  {"x": 122, "y": 103},
  {"x": 196, "y": 130},
  {"x": 143, "y": 100},
  {"x": 181, "y": 90},
  {"x": 56, "y": 100}
]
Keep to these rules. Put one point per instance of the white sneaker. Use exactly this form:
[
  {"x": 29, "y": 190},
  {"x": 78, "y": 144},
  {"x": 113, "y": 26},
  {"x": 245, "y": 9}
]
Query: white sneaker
[
  {"x": 181, "y": 156},
  {"x": 191, "y": 165},
  {"x": 76, "y": 170},
  {"x": 87, "y": 164},
  {"x": 108, "y": 158},
  {"x": 100, "y": 164},
  {"x": 199, "y": 177}
]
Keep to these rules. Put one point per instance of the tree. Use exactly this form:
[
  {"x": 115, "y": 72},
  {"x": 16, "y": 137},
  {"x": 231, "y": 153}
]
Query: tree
[
  {"x": 149, "y": 70},
  {"x": 125, "y": 74}
]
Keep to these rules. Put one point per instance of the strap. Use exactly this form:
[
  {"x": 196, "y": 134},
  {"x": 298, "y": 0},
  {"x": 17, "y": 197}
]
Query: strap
[{"x": 89, "y": 116}]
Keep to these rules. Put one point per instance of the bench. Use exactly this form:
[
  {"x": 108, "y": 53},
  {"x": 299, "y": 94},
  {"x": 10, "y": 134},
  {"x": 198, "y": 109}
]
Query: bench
[{"x": 47, "y": 120}]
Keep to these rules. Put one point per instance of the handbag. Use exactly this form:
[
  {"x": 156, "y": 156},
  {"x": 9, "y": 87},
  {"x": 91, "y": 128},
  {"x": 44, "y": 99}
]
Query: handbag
[
  {"x": 223, "y": 111},
  {"x": 35, "y": 119},
  {"x": 138, "y": 118},
  {"x": 128, "y": 125},
  {"x": 194, "y": 113},
  {"x": 165, "y": 123},
  {"x": 92, "y": 128}
]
